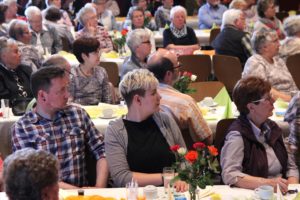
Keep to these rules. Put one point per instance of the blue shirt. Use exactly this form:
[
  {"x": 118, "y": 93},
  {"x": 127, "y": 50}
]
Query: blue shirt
[{"x": 208, "y": 15}]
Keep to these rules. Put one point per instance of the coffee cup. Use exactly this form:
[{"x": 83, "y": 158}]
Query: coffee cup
[
  {"x": 208, "y": 101},
  {"x": 264, "y": 192},
  {"x": 107, "y": 112}
]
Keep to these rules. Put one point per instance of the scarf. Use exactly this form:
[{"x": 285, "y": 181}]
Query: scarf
[
  {"x": 273, "y": 25},
  {"x": 179, "y": 33}
]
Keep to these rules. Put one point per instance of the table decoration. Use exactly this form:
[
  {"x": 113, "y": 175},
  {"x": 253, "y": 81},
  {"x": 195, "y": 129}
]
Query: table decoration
[
  {"x": 119, "y": 40},
  {"x": 196, "y": 167},
  {"x": 185, "y": 78}
]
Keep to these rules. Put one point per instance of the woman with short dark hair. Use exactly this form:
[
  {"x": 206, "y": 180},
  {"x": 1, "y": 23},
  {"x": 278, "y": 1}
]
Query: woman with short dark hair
[
  {"x": 255, "y": 142},
  {"x": 89, "y": 82}
]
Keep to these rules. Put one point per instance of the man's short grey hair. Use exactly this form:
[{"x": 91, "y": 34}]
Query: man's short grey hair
[
  {"x": 98, "y": 1},
  {"x": 291, "y": 25},
  {"x": 262, "y": 6},
  {"x": 4, "y": 43},
  {"x": 81, "y": 15},
  {"x": 16, "y": 28},
  {"x": 177, "y": 9},
  {"x": 235, "y": 3},
  {"x": 230, "y": 16},
  {"x": 9, "y": 2},
  {"x": 137, "y": 80},
  {"x": 56, "y": 61},
  {"x": 260, "y": 38},
  {"x": 136, "y": 38},
  {"x": 32, "y": 11},
  {"x": 27, "y": 172}
]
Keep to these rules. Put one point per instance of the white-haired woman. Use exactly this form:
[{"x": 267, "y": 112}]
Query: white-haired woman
[
  {"x": 87, "y": 17},
  {"x": 145, "y": 134},
  {"x": 291, "y": 44},
  {"x": 11, "y": 12},
  {"x": 266, "y": 64},
  {"x": 139, "y": 44},
  {"x": 179, "y": 36},
  {"x": 267, "y": 18}
]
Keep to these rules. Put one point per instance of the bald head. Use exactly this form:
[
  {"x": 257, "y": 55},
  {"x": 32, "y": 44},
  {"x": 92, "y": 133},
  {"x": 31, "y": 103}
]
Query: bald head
[{"x": 162, "y": 64}]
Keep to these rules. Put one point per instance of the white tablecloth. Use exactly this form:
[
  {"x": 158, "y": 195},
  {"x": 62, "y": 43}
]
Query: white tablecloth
[{"x": 224, "y": 191}]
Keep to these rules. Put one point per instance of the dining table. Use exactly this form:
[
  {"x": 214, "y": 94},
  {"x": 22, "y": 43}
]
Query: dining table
[{"x": 216, "y": 192}]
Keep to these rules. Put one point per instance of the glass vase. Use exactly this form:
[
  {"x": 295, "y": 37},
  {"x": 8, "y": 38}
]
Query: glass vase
[
  {"x": 121, "y": 51},
  {"x": 193, "y": 192}
]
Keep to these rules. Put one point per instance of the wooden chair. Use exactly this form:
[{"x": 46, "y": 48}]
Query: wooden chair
[
  {"x": 292, "y": 64},
  {"x": 205, "y": 89},
  {"x": 200, "y": 65},
  {"x": 228, "y": 70},
  {"x": 112, "y": 72},
  {"x": 213, "y": 34}
]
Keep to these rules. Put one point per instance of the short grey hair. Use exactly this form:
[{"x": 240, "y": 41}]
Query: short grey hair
[
  {"x": 235, "y": 3},
  {"x": 27, "y": 172},
  {"x": 98, "y": 1},
  {"x": 136, "y": 38},
  {"x": 262, "y": 6},
  {"x": 230, "y": 16},
  {"x": 291, "y": 25},
  {"x": 177, "y": 9},
  {"x": 260, "y": 38},
  {"x": 4, "y": 43},
  {"x": 81, "y": 15},
  {"x": 32, "y": 11},
  {"x": 134, "y": 2},
  {"x": 137, "y": 81},
  {"x": 16, "y": 28},
  {"x": 9, "y": 2},
  {"x": 56, "y": 61},
  {"x": 135, "y": 8}
]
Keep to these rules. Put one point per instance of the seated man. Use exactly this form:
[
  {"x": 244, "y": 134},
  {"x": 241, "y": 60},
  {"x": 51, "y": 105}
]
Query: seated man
[
  {"x": 31, "y": 174},
  {"x": 233, "y": 41},
  {"x": 64, "y": 130},
  {"x": 211, "y": 14},
  {"x": 45, "y": 38},
  {"x": 183, "y": 107}
]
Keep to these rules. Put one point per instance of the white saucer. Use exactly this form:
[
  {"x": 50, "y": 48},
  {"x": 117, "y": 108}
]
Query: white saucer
[
  {"x": 213, "y": 105},
  {"x": 106, "y": 117}
]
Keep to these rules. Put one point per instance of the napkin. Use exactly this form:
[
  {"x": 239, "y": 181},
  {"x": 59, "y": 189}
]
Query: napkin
[
  {"x": 279, "y": 193},
  {"x": 111, "y": 54},
  {"x": 223, "y": 99}
]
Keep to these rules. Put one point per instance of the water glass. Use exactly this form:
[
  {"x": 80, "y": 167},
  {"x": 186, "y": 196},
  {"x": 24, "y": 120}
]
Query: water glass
[{"x": 168, "y": 175}]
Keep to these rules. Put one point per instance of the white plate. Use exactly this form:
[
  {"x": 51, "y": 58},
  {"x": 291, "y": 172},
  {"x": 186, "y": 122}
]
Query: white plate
[
  {"x": 213, "y": 105},
  {"x": 105, "y": 117}
]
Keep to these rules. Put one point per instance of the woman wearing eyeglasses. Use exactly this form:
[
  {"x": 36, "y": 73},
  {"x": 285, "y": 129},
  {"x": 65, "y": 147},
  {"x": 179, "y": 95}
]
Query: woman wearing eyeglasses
[
  {"x": 255, "y": 142},
  {"x": 266, "y": 64}
]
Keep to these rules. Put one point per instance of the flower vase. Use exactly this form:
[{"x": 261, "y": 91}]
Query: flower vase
[
  {"x": 121, "y": 51},
  {"x": 193, "y": 192}
]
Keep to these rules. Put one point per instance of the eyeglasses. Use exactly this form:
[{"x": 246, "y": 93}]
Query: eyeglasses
[
  {"x": 269, "y": 98},
  {"x": 146, "y": 42}
]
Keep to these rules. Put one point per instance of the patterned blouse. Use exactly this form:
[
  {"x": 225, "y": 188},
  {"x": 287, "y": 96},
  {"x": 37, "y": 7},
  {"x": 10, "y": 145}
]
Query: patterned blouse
[{"x": 90, "y": 90}]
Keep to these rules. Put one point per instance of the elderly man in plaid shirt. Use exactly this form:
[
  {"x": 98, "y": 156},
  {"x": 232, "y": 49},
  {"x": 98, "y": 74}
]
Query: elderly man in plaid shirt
[{"x": 64, "y": 130}]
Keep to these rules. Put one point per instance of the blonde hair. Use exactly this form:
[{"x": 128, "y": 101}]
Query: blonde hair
[{"x": 137, "y": 82}]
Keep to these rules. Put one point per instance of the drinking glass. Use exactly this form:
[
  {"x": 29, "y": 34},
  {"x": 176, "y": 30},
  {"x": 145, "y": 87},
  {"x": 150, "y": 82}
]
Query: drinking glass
[{"x": 168, "y": 175}]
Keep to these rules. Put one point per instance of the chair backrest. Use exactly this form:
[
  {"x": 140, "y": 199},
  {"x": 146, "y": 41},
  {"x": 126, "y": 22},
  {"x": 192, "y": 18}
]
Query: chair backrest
[
  {"x": 205, "y": 89},
  {"x": 228, "y": 70},
  {"x": 292, "y": 64},
  {"x": 213, "y": 34},
  {"x": 221, "y": 132},
  {"x": 112, "y": 72},
  {"x": 200, "y": 65}
]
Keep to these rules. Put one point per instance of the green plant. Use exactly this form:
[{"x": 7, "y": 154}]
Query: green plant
[{"x": 184, "y": 81}]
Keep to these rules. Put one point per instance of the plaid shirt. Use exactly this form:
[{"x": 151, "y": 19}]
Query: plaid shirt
[{"x": 66, "y": 137}]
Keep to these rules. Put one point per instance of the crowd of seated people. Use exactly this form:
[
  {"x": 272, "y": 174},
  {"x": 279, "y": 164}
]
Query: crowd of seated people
[{"x": 157, "y": 112}]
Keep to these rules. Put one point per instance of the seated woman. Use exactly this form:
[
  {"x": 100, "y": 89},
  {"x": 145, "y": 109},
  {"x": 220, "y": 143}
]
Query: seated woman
[
  {"x": 14, "y": 77},
  {"x": 137, "y": 18},
  {"x": 65, "y": 19},
  {"x": 180, "y": 37},
  {"x": 266, "y": 64},
  {"x": 31, "y": 174},
  {"x": 89, "y": 82},
  {"x": 256, "y": 142},
  {"x": 144, "y": 135},
  {"x": 267, "y": 18},
  {"x": 139, "y": 44},
  {"x": 162, "y": 14},
  {"x": 30, "y": 56},
  {"x": 87, "y": 17},
  {"x": 291, "y": 44},
  {"x": 3, "y": 27}
]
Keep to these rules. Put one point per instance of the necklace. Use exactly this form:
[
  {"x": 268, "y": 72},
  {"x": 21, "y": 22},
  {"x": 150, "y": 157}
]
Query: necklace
[{"x": 83, "y": 73}]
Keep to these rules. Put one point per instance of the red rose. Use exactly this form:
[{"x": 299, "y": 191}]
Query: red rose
[
  {"x": 213, "y": 150},
  {"x": 191, "y": 156},
  {"x": 199, "y": 145},
  {"x": 175, "y": 147},
  {"x": 124, "y": 32}
]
